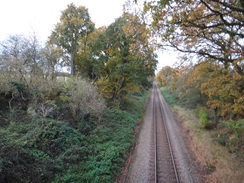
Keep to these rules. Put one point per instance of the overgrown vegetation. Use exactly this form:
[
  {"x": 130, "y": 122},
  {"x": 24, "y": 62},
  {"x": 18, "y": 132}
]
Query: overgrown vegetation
[
  {"x": 227, "y": 133},
  {"x": 219, "y": 150},
  {"x": 64, "y": 133},
  {"x": 78, "y": 127},
  {"x": 209, "y": 74},
  {"x": 170, "y": 97},
  {"x": 118, "y": 58}
]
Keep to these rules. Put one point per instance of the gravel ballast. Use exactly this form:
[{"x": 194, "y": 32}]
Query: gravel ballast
[{"x": 141, "y": 168}]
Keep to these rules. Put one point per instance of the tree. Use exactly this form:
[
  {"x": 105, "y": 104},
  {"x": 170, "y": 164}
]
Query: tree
[
  {"x": 75, "y": 23},
  {"x": 127, "y": 56},
  {"x": 90, "y": 61},
  {"x": 141, "y": 49},
  {"x": 206, "y": 28},
  {"x": 224, "y": 89},
  {"x": 212, "y": 85},
  {"x": 33, "y": 54},
  {"x": 164, "y": 76},
  {"x": 52, "y": 55},
  {"x": 13, "y": 58},
  {"x": 21, "y": 55}
]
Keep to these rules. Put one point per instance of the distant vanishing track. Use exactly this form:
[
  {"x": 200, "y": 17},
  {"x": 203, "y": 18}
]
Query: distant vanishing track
[
  {"x": 165, "y": 169},
  {"x": 162, "y": 153}
]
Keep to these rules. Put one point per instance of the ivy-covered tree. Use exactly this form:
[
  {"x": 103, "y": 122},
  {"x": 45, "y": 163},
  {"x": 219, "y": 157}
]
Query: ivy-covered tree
[{"x": 75, "y": 25}]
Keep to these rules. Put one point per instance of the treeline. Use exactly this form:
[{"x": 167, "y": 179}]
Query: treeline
[
  {"x": 207, "y": 84},
  {"x": 210, "y": 74},
  {"x": 119, "y": 58},
  {"x": 78, "y": 126},
  {"x": 215, "y": 94}
]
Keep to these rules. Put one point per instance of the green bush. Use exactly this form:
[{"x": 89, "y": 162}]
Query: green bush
[
  {"x": 235, "y": 132},
  {"x": 203, "y": 117},
  {"x": 170, "y": 97},
  {"x": 204, "y": 121},
  {"x": 237, "y": 126},
  {"x": 36, "y": 151},
  {"x": 221, "y": 138},
  {"x": 108, "y": 145},
  {"x": 230, "y": 134}
]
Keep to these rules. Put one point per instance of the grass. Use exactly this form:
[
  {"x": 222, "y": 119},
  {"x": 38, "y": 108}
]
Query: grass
[
  {"x": 218, "y": 163},
  {"x": 222, "y": 165}
]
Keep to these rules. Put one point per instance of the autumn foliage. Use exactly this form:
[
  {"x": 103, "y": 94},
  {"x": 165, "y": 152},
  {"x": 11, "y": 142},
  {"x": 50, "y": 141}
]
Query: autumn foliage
[
  {"x": 222, "y": 88},
  {"x": 209, "y": 35},
  {"x": 209, "y": 29},
  {"x": 57, "y": 126}
]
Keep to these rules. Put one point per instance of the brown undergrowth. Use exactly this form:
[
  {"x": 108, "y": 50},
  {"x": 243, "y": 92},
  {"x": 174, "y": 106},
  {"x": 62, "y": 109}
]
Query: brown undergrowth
[{"x": 216, "y": 164}]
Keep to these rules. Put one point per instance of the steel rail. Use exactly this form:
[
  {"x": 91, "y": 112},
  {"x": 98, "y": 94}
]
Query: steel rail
[
  {"x": 167, "y": 135},
  {"x": 155, "y": 137}
]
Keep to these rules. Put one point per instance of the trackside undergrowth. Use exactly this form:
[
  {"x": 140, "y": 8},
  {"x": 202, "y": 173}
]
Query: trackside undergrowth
[
  {"x": 218, "y": 163},
  {"x": 38, "y": 148}
]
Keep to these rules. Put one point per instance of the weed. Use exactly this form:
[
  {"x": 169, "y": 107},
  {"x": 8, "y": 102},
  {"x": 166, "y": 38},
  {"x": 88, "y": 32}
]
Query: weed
[
  {"x": 210, "y": 168},
  {"x": 204, "y": 121},
  {"x": 220, "y": 138}
]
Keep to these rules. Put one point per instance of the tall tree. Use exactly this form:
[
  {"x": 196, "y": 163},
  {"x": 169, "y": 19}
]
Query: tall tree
[
  {"x": 223, "y": 87},
  {"x": 164, "y": 76},
  {"x": 128, "y": 58},
  {"x": 33, "y": 54},
  {"x": 89, "y": 59},
  {"x": 75, "y": 23},
  {"x": 13, "y": 59},
  {"x": 21, "y": 55},
  {"x": 207, "y": 28},
  {"x": 52, "y": 61}
]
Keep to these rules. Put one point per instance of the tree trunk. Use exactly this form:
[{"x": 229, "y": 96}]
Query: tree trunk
[
  {"x": 215, "y": 115},
  {"x": 72, "y": 65}
]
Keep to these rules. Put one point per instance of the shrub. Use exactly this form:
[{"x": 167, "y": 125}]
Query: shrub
[
  {"x": 221, "y": 138},
  {"x": 204, "y": 122},
  {"x": 36, "y": 146},
  {"x": 82, "y": 100},
  {"x": 170, "y": 97},
  {"x": 108, "y": 145},
  {"x": 236, "y": 126},
  {"x": 235, "y": 131},
  {"x": 35, "y": 151}
]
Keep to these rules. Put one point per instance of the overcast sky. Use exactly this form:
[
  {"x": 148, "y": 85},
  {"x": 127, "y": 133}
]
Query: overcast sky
[
  {"x": 26, "y": 16},
  {"x": 40, "y": 16}
]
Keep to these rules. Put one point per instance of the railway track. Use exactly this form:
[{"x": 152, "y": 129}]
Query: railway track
[{"x": 165, "y": 169}]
